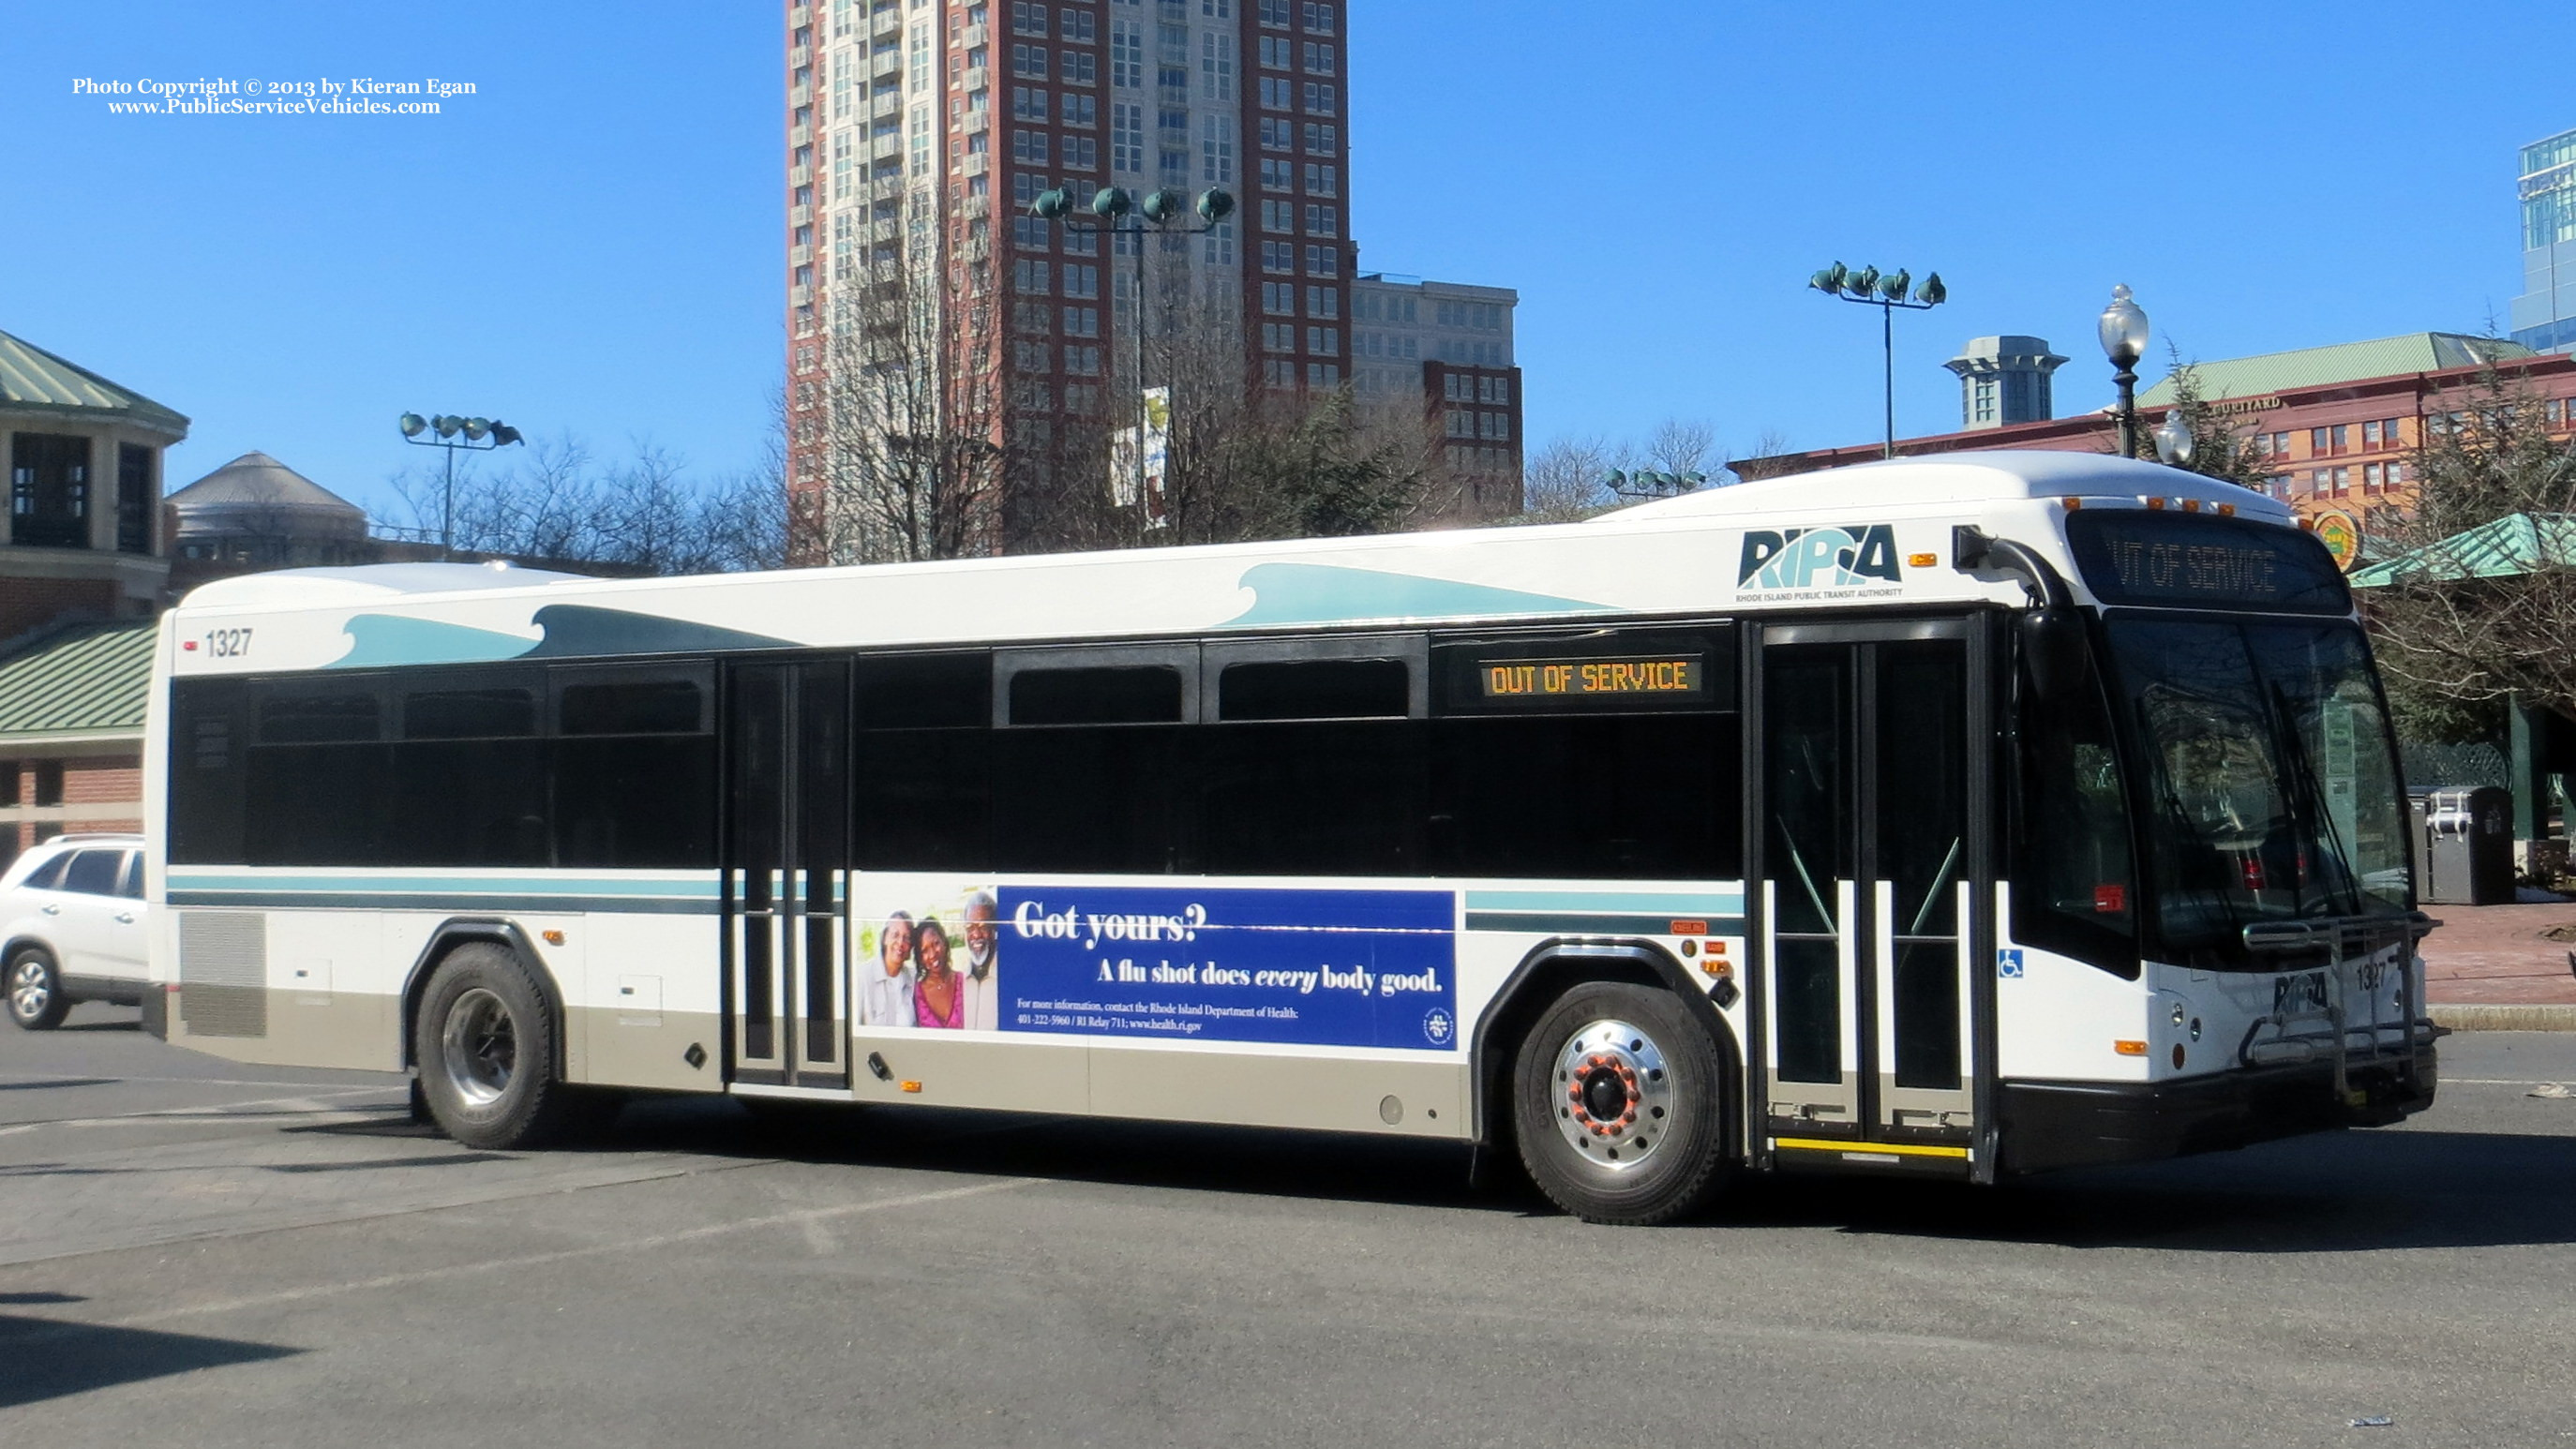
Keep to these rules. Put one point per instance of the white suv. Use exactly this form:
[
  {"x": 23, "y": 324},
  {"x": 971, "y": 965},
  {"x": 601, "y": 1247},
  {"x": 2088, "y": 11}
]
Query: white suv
[{"x": 74, "y": 926}]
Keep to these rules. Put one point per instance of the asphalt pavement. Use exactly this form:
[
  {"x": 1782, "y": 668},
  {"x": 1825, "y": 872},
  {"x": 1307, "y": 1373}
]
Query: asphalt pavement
[{"x": 193, "y": 1252}]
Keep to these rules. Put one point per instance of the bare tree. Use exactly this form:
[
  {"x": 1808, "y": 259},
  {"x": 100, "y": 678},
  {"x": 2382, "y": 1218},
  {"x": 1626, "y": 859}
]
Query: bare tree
[
  {"x": 1680, "y": 446},
  {"x": 2466, "y": 624},
  {"x": 1243, "y": 460},
  {"x": 1568, "y": 480},
  {"x": 641, "y": 515},
  {"x": 908, "y": 423}
]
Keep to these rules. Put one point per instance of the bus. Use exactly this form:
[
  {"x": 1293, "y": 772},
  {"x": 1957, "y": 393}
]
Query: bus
[{"x": 1963, "y": 818}]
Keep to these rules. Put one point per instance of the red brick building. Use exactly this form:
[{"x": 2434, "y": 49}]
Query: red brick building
[{"x": 2339, "y": 424}]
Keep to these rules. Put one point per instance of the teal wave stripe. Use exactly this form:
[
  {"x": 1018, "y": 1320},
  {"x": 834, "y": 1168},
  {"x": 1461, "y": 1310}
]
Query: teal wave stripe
[
  {"x": 1295, "y": 593},
  {"x": 380, "y": 639}
]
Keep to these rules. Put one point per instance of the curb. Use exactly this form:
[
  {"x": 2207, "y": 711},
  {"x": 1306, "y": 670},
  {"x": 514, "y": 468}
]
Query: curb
[{"x": 2484, "y": 1016}]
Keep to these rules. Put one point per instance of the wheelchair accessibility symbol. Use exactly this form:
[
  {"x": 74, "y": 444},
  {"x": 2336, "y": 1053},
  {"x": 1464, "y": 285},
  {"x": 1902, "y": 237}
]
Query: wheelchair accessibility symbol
[{"x": 2008, "y": 961}]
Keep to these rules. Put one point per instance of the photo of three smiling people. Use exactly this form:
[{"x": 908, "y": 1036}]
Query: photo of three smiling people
[{"x": 912, "y": 978}]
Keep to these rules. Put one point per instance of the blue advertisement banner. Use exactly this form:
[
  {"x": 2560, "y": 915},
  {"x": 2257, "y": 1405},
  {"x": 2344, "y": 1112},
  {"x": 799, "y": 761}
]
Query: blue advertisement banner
[{"x": 1303, "y": 967}]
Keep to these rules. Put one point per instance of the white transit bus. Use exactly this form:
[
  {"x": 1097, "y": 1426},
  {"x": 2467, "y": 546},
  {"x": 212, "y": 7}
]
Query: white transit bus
[{"x": 1968, "y": 817}]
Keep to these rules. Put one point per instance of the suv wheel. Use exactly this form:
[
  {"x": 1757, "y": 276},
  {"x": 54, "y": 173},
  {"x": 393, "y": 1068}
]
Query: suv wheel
[{"x": 36, "y": 999}]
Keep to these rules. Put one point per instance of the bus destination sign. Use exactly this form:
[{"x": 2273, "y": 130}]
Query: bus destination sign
[
  {"x": 2197, "y": 561},
  {"x": 1665, "y": 676}
]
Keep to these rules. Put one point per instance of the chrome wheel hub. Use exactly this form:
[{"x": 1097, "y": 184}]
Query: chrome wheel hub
[
  {"x": 31, "y": 990},
  {"x": 479, "y": 1048},
  {"x": 1613, "y": 1094}
]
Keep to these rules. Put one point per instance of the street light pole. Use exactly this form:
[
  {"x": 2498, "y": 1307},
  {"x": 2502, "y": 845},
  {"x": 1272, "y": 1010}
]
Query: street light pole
[
  {"x": 2124, "y": 334},
  {"x": 1154, "y": 218},
  {"x": 481, "y": 435},
  {"x": 1887, "y": 294}
]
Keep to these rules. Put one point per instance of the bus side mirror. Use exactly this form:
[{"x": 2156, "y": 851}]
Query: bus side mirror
[{"x": 2054, "y": 649}]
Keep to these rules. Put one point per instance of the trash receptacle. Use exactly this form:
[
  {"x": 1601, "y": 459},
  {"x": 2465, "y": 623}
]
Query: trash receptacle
[{"x": 2468, "y": 847}]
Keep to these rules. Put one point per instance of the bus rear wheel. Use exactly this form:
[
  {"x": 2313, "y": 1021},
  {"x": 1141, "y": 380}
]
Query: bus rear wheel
[
  {"x": 484, "y": 1044},
  {"x": 1618, "y": 1105}
]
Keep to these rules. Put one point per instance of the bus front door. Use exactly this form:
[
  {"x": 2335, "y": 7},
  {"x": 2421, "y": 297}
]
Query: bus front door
[
  {"x": 1872, "y": 877},
  {"x": 787, "y": 791}
]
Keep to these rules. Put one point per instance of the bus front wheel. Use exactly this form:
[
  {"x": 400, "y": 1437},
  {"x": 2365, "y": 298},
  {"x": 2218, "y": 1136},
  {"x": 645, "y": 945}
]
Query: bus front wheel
[
  {"x": 1618, "y": 1105},
  {"x": 484, "y": 1044}
]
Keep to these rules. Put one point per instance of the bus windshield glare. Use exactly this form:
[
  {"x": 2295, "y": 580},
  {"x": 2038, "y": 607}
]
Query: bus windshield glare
[{"x": 2265, "y": 778}]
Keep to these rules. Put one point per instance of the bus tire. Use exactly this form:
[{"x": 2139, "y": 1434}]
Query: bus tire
[
  {"x": 1618, "y": 1104},
  {"x": 37, "y": 1001},
  {"x": 485, "y": 1045}
]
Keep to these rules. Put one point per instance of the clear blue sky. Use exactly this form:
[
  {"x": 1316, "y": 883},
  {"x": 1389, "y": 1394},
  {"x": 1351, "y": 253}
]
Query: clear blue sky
[{"x": 592, "y": 242}]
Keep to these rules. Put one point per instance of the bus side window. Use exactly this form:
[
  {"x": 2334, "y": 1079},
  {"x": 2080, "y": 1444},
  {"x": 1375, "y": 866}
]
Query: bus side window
[
  {"x": 921, "y": 790},
  {"x": 470, "y": 772},
  {"x": 635, "y": 767},
  {"x": 2074, "y": 891},
  {"x": 1603, "y": 797},
  {"x": 321, "y": 776},
  {"x": 1313, "y": 767},
  {"x": 1094, "y": 769}
]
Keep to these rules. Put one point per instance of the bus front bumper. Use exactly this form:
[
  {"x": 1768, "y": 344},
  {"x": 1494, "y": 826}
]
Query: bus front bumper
[{"x": 2049, "y": 1125}]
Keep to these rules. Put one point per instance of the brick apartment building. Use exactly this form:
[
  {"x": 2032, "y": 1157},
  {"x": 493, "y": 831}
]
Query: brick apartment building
[
  {"x": 2339, "y": 424},
  {"x": 1446, "y": 347},
  {"x": 918, "y": 134}
]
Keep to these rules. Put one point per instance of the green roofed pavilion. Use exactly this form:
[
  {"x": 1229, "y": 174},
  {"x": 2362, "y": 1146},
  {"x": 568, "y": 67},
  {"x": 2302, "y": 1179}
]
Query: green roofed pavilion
[
  {"x": 82, "y": 683},
  {"x": 33, "y": 380},
  {"x": 2504, "y": 548}
]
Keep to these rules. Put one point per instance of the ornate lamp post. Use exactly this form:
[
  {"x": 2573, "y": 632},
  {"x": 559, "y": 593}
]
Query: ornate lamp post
[
  {"x": 2124, "y": 340},
  {"x": 1887, "y": 294}
]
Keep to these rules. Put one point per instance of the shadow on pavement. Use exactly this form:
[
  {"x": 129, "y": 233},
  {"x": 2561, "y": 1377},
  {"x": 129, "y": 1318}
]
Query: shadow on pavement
[
  {"x": 52, "y": 1082},
  {"x": 2337, "y": 1192},
  {"x": 49, "y": 1359},
  {"x": 1142, "y": 1154},
  {"x": 2333, "y": 1193}
]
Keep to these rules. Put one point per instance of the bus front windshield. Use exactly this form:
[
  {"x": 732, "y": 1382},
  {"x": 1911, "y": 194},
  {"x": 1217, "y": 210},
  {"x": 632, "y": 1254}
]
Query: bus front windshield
[{"x": 2266, "y": 779}]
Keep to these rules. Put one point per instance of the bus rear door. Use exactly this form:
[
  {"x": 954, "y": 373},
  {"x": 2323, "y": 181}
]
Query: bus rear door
[{"x": 787, "y": 748}]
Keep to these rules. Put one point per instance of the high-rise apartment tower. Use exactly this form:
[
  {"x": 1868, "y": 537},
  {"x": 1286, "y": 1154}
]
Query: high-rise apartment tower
[{"x": 935, "y": 325}]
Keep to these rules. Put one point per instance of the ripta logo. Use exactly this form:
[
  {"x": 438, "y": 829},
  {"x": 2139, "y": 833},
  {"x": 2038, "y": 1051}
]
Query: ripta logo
[{"x": 1819, "y": 558}]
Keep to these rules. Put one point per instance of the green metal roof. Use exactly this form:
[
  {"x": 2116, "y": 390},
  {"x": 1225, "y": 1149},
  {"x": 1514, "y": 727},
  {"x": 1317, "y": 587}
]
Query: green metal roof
[
  {"x": 2344, "y": 362},
  {"x": 32, "y": 377},
  {"x": 83, "y": 679},
  {"x": 2501, "y": 549}
]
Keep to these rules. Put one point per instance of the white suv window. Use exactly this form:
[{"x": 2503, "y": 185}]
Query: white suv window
[
  {"x": 48, "y": 876},
  {"x": 129, "y": 883},
  {"x": 94, "y": 872}
]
